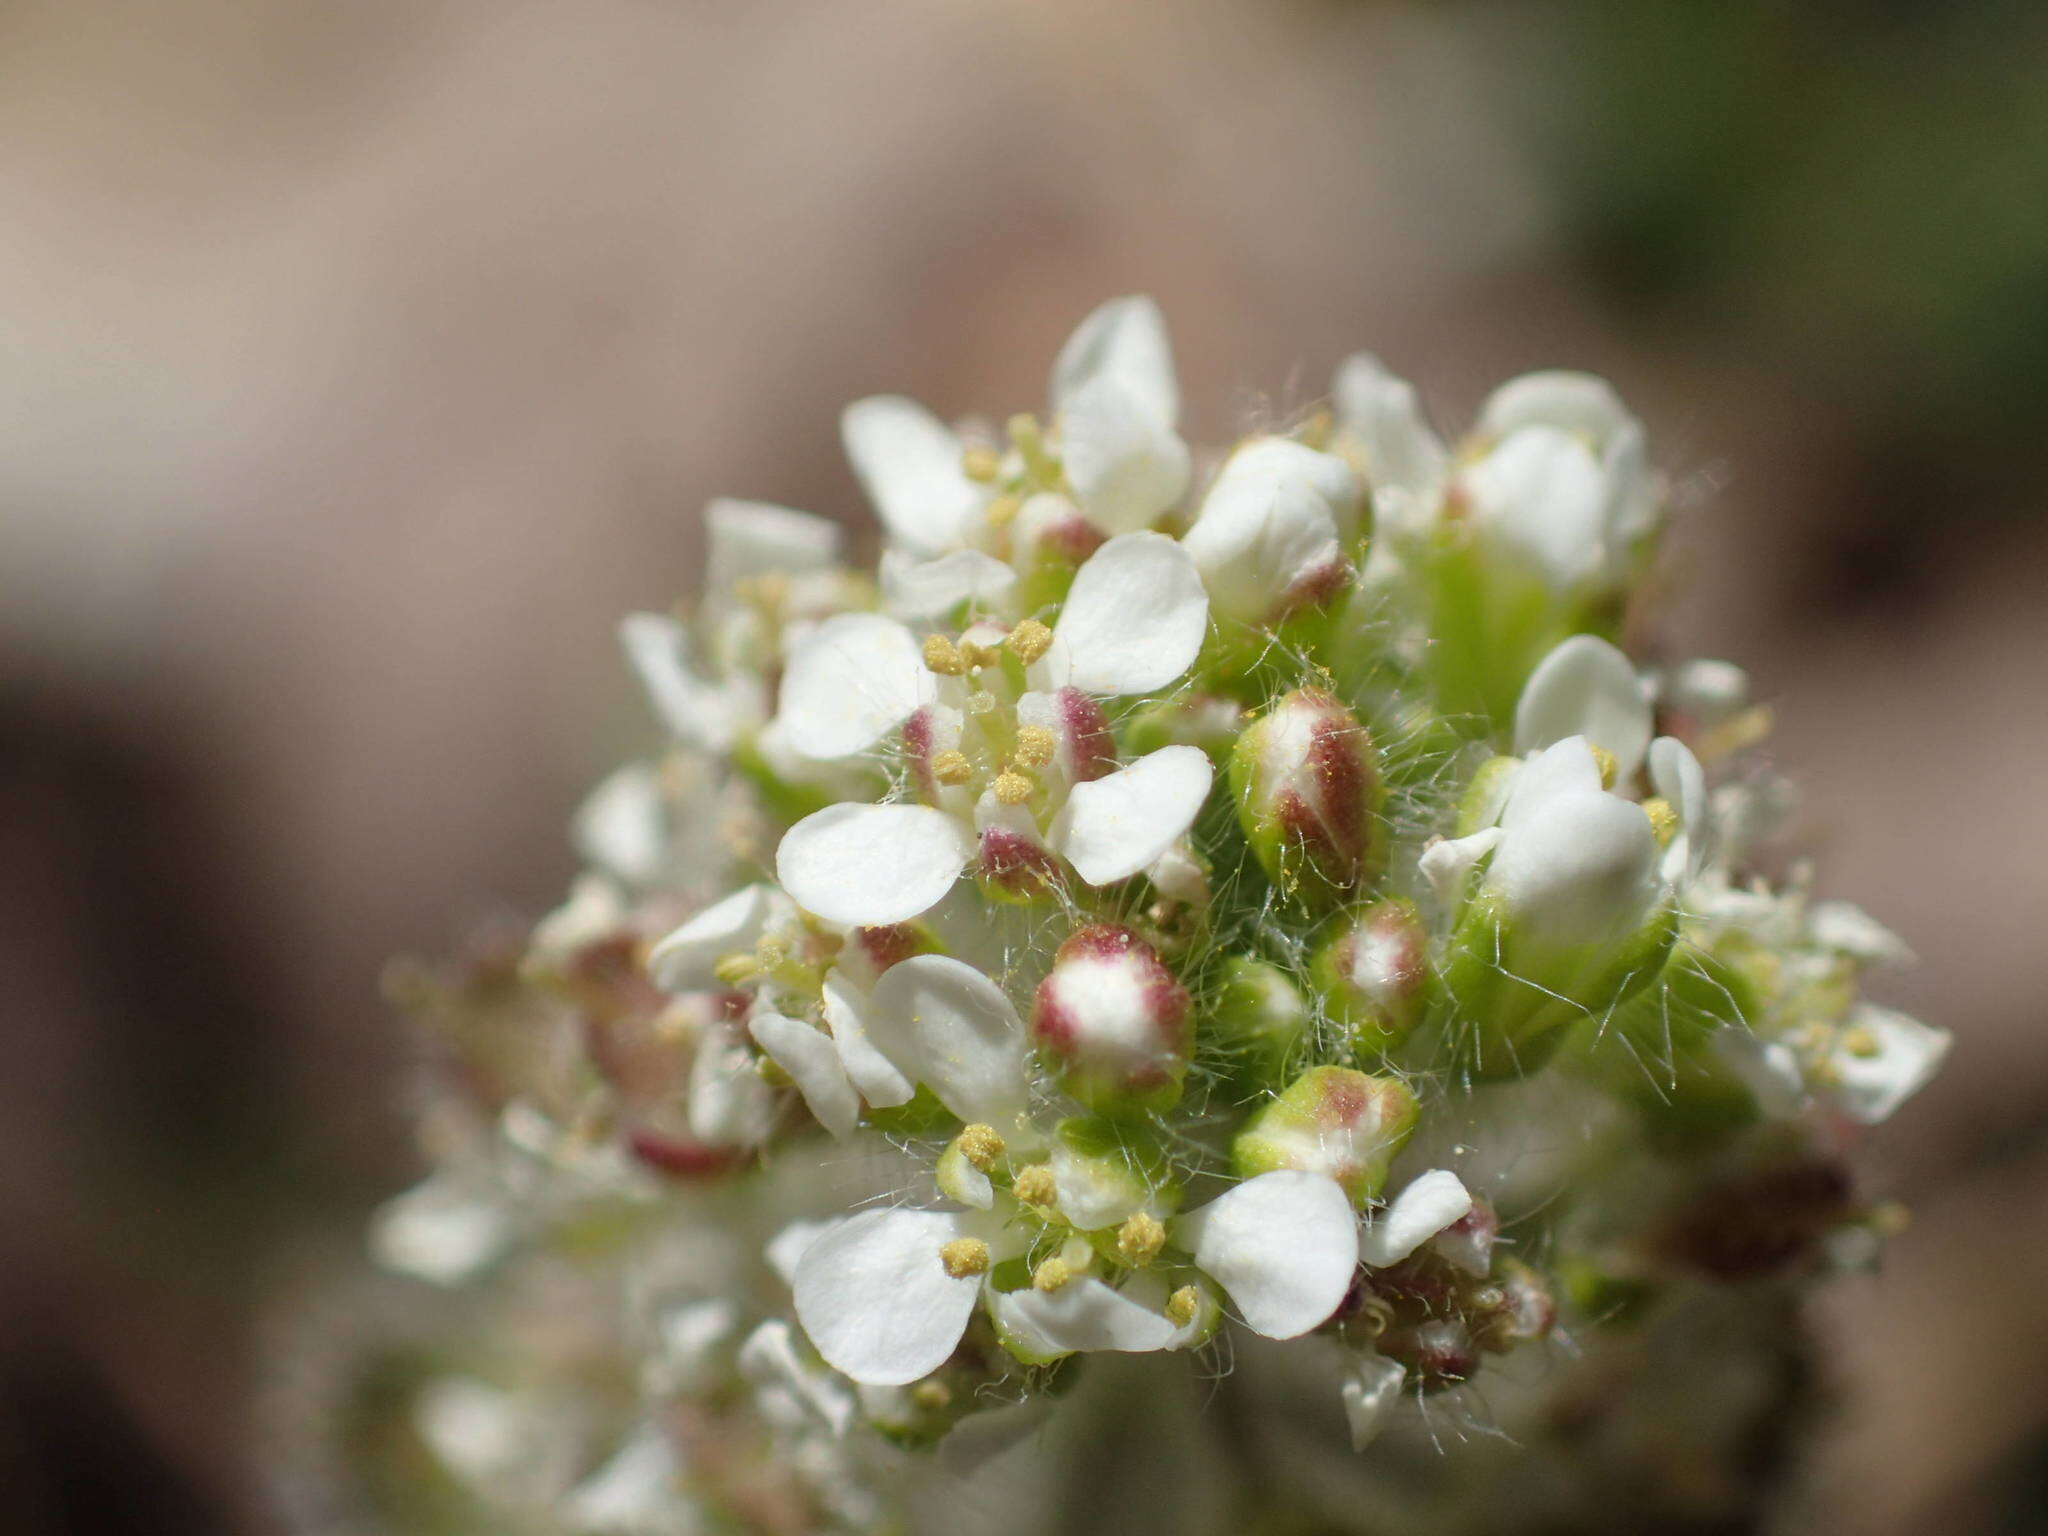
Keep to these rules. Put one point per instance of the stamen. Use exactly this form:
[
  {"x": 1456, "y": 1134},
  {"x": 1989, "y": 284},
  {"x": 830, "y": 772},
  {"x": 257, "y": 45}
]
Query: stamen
[
  {"x": 981, "y": 463},
  {"x": 1610, "y": 769},
  {"x": 1003, "y": 511},
  {"x": 964, "y": 1257},
  {"x": 932, "y": 1395},
  {"x": 1139, "y": 1239},
  {"x": 736, "y": 969},
  {"x": 1035, "y": 1185},
  {"x": 980, "y": 1145},
  {"x": 1862, "y": 1042},
  {"x": 1036, "y": 745},
  {"x": 1030, "y": 640},
  {"x": 952, "y": 767},
  {"x": 942, "y": 656},
  {"x": 1663, "y": 820},
  {"x": 1051, "y": 1275},
  {"x": 980, "y": 702},
  {"x": 1011, "y": 787},
  {"x": 1182, "y": 1305}
]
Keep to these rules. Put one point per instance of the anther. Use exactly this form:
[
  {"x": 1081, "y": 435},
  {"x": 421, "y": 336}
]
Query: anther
[
  {"x": 932, "y": 1395},
  {"x": 981, "y": 463},
  {"x": 952, "y": 767},
  {"x": 1003, "y": 511},
  {"x": 942, "y": 656},
  {"x": 736, "y": 969},
  {"x": 974, "y": 654},
  {"x": 980, "y": 702},
  {"x": 1862, "y": 1042},
  {"x": 1011, "y": 787},
  {"x": 1182, "y": 1305},
  {"x": 1139, "y": 1239},
  {"x": 1036, "y": 745},
  {"x": 1035, "y": 1185},
  {"x": 1610, "y": 769},
  {"x": 1030, "y": 640},
  {"x": 980, "y": 1145},
  {"x": 1051, "y": 1275},
  {"x": 1663, "y": 820},
  {"x": 965, "y": 1257}
]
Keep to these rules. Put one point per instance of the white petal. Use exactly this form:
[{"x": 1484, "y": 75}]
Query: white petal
[
  {"x": 950, "y": 1027},
  {"x": 813, "y": 1064},
  {"x": 1083, "y": 1314},
  {"x": 1370, "y": 1394},
  {"x": 854, "y": 679},
  {"x": 877, "y": 1078},
  {"x": 875, "y": 1297},
  {"x": 1907, "y": 1054},
  {"x": 1284, "y": 1245},
  {"x": 638, "y": 1490},
  {"x": 1676, "y": 775},
  {"x": 981, "y": 1437},
  {"x": 1430, "y": 1203},
  {"x": 1135, "y": 616},
  {"x": 440, "y": 1232},
  {"x": 1585, "y": 687},
  {"x": 1114, "y": 826},
  {"x": 1448, "y": 860},
  {"x": 727, "y": 1102},
  {"x": 770, "y": 1357},
  {"x": 1567, "y": 768},
  {"x": 930, "y": 589},
  {"x": 1584, "y": 872},
  {"x": 1124, "y": 339},
  {"x": 1843, "y": 926},
  {"x": 788, "y": 1246},
  {"x": 872, "y": 864},
  {"x": 757, "y": 538},
  {"x": 1277, "y": 517},
  {"x": 908, "y": 461},
  {"x": 1405, "y": 460},
  {"x": 1126, "y": 465},
  {"x": 1580, "y": 403},
  {"x": 622, "y": 825},
  {"x": 696, "y": 712},
  {"x": 683, "y": 961},
  {"x": 1542, "y": 497}
]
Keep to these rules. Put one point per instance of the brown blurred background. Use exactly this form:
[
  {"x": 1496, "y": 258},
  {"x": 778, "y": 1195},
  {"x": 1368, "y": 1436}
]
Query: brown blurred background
[{"x": 360, "y": 363}]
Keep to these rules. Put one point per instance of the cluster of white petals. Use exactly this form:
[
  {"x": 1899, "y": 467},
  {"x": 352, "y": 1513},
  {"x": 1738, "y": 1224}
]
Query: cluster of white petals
[{"x": 1136, "y": 907}]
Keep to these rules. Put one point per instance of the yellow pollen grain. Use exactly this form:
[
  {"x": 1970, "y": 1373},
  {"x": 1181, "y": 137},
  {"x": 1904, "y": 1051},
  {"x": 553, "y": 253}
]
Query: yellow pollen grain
[
  {"x": 1663, "y": 820},
  {"x": 1610, "y": 769},
  {"x": 965, "y": 1257},
  {"x": 934, "y": 1396},
  {"x": 1035, "y": 746},
  {"x": 1182, "y": 1305},
  {"x": 1003, "y": 511},
  {"x": 1011, "y": 787},
  {"x": 1139, "y": 1239},
  {"x": 942, "y": 656},
  {"x": 981, "y": 463},
  {"x": 980, "y": 1145},
  {"x": 1030, "y": 640},
  {"x": 1051, "y": 1275},
  {"x": 1035, "y": 1185},
  {"x": 952, "y": 767}
]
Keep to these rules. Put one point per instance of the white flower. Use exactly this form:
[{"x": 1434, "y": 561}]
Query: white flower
[
  {"x": 1585, "y": 687},
  {"x": 1426, "y": 1206},
  {"x": 886, "y": 1295},
  {"x": 1276, "y": 529},
  {"x": 1369, "y": 1394},
  {"x": 1021, "y": 782},
  {"x": 1115, "y": 404},
  {"x": 1406, "y": 463},
  {"x": 1561, "y": 485}
]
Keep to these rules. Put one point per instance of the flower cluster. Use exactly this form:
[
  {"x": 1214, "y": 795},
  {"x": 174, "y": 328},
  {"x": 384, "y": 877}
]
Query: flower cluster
[{"x": 1167, "y": 901}]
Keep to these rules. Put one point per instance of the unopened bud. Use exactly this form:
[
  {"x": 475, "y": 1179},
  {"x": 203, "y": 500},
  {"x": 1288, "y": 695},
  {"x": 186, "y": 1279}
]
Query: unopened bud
[
  {"x": 1259, "y": 1016},
  {"x": 1333, "y": 1121},
  {"x": 1114, "y": 1020},
  {"x": 1307, "y": 780},
  {"x": 1375, "y": 972}
]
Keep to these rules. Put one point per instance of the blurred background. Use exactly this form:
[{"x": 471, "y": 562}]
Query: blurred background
[{"x": 359, "y": 364}]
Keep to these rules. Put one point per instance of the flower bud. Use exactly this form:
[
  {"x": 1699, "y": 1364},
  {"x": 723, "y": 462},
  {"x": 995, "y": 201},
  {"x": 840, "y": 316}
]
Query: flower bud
[
  {"x": 1259, "y": 1016},
  {"x": 1114, "y": 1020},
  {"x": 1308, "y": 786},
  {"x": 1374, "y": 973},
  {"x": 1333, "y": 1121}
]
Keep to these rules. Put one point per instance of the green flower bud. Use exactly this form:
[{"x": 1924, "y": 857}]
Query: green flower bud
[
  {"x": 1309, "y": 789},
  {"x": 1259, "y": 1017},
  {"x": 1374, "y": 973},
  {"x": 1333, "y": 1121}
]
